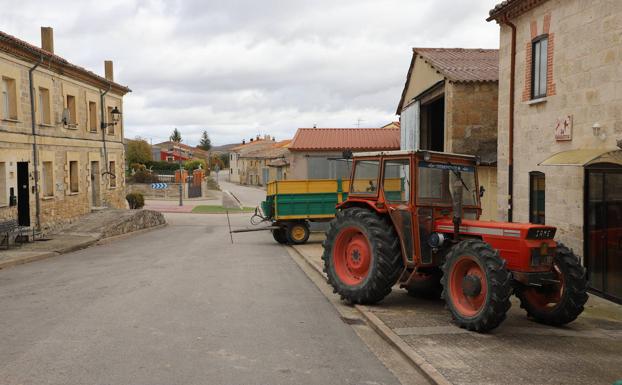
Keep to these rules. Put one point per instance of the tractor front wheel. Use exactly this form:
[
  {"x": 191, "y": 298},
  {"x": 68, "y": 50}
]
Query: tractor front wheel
[
  {"x": 362, "y": 256},
  {"x": 558, "y": 303},
  {"x": 476, "y": 286}
]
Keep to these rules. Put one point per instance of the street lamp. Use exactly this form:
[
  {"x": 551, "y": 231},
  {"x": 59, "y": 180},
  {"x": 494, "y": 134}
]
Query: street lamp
[{"x": 116, "y": 117}]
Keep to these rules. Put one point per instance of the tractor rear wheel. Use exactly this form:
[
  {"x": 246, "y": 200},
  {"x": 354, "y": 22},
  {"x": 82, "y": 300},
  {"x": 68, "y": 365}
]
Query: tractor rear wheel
[
  {"x": 279, "y": 235},
  {"x": 297, "y": 233},
  {"x": 362, "y": 256},
  {"x": 557, "y": 304},
  {"x": 476, "y": 285}
]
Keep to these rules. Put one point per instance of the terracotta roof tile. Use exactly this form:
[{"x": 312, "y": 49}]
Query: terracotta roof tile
[
  {"x": 339, "y": 139},
  {"x": 463, "y": 64},
  {"x": 24, "y": 45}
]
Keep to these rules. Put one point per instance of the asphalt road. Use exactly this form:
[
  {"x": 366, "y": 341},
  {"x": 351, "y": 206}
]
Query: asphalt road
[
  {"x": 179, "y": 305},
  {"x": 249, "y": 196}
]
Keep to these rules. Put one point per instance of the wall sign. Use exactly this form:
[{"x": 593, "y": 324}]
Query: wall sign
[{"x": 563, "y": 128}]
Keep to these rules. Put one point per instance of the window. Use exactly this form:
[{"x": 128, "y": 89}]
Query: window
[
  {"x": 73, "y": 176},
  {"x": 71, "y": 109},
  {"x": 396, "y": 183},
  {"x": 537, "y": 186},
  {"x": 9, "y": 99},
  {"x": 365, "y": 177},
  {"x": 45, "y": 117},
  {"x": 539, "y": 67},
  {"x": 47, "y": 179},
  {"x": 110, "y": 121},
  {"x": 113, "y": 177},
  {"x": 3, "y": 197},
  {"x": 92, "y": 117},
  {"x": 437, "y": 183}
]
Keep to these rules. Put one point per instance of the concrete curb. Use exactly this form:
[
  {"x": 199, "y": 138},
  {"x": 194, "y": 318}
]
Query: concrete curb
[
  {"x": 388, "y": 335},
  {"x": 30, "y": 258}
]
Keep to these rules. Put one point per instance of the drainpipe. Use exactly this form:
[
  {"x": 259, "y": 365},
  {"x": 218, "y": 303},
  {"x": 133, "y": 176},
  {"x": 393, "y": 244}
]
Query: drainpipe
[
  {"x": 507, "y": 22},
  {"x": 104, "y": 126},
  {"x": 35, "y": 153}
]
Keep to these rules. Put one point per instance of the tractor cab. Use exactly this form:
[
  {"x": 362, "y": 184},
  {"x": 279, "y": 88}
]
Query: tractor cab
[
  {"x": 412, "y": 217},
  {"x": 417, "y": 190}
]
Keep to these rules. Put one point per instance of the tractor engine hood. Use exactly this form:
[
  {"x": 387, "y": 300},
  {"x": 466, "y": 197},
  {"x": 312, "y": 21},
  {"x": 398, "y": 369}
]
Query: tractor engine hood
[{"x": 497, "y": 229}]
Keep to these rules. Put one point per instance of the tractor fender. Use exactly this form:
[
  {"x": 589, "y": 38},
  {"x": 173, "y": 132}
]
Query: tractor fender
[{"x": 376, "y": 207}]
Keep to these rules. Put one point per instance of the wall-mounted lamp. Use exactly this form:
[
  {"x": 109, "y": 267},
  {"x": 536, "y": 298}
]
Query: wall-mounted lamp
[
  {"x": 598, "y": 131},
  {"x": 116, "y": 116}
]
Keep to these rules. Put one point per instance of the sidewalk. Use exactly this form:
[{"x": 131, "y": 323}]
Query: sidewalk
[
  {"x": 84, "y": 232},
  {"x": 587, "y": 351}
]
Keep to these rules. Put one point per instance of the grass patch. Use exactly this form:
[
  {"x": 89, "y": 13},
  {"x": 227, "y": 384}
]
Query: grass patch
[{"x": 208, "y": 209}]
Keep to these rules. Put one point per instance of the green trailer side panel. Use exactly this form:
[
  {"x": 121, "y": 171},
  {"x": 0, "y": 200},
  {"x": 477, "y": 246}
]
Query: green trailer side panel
[{"x": 301, "y": 205}]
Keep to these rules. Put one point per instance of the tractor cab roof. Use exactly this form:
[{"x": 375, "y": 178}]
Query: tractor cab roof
[{"x": 423, "y": 154}]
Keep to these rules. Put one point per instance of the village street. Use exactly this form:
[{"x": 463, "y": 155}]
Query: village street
[{"x": 179, "y": 305}]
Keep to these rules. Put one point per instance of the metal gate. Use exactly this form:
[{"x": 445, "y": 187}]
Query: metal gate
[{"x": 194, "y": 188}]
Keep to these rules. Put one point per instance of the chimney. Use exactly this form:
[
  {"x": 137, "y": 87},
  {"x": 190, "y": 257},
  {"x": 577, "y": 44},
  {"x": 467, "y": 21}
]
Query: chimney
[
  {"x": 109, "y": 71},
  {"x": 243, "y": 141},
  {"x": 47, "y": 39}
]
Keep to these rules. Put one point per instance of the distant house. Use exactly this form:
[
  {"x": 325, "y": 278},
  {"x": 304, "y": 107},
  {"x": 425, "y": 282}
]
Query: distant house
[
  {"x": 264, "y": 163},
  {"x": 449, "y": 104},
  {"x": 170, "y": 151},
  {"x": 247, "y": 156},
  {"x": 317, "y": 153}
]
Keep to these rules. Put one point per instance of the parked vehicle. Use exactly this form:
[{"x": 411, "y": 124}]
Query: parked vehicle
[
  {"x": 412, "y": 218},
  {"x": 291, "y": 204}
]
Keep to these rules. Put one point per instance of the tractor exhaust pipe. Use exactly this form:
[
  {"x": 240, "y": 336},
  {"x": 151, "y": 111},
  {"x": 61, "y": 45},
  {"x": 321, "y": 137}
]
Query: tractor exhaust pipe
[{"x": 457, "y": 206}]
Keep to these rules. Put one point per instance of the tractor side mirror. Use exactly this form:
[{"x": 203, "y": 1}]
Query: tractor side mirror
[{"x": 482, "y": 190}]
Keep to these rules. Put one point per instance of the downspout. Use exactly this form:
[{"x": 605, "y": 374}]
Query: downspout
[
  {"x": 104, "y": 126},
  {"x": 35, "y": 153},
  {"x": 507, "y": 22}
]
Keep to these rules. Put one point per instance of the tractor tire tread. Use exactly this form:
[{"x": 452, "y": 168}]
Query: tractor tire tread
[
  {"x": 387, "y": 256},
  {"x": 500, "y": 286}
]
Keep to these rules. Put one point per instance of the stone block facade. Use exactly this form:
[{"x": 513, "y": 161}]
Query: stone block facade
[
  {"x": 73, "y": 172},
  {"x": 584, "y": 81}
]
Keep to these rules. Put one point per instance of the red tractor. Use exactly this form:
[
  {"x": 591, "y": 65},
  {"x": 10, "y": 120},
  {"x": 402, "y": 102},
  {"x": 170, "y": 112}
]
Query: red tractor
[{"x": 412, "y": 218}]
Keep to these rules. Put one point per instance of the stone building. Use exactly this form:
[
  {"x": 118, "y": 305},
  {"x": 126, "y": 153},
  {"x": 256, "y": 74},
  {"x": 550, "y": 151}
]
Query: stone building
[
  {"x": 318, "y": 153},
  {"x": 238, "y": 165},
  {"x": 67, "y": 157},
  {"x": 560, "y": 116},
  {"x": 449, "y": 104}
]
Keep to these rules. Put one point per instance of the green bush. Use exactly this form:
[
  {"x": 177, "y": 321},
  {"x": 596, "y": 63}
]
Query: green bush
[
  {"x": 193, "y": 164},
  {"x": 162, "y": 165},
  {"x": 135, "y": 200},
  {"x": 144, "y": 176}
]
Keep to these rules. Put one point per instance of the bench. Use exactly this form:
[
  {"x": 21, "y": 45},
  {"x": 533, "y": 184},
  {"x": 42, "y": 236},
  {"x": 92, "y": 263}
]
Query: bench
[{"x": 7, "y": 228}]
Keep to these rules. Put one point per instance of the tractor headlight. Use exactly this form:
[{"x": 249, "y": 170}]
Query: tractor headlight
[{"x": 436, "y": 240}]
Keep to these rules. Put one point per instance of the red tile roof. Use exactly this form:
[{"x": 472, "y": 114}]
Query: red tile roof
[
  {"x": 456, "y": 65},
  {"x": 340, "y": 139},
  {"x": 512, "y": 8},
  {"x": 463, "y": 64},
  {"x": 25, "y": 50}
]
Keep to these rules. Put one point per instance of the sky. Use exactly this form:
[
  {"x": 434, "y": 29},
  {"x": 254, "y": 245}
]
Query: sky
[{"x": 240, "y": 68}]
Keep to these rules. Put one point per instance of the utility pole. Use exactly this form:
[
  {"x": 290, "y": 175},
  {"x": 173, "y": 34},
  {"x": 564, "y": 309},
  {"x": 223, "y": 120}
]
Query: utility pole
[{"x": 181, "y": 181}]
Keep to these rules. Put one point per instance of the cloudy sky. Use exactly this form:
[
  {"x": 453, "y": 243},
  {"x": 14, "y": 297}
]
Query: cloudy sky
[{"x": 238, "y": 68}]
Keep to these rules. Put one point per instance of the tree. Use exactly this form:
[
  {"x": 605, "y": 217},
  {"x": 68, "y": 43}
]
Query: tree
[
  {"x": 138, "y": 151},
  {"x": 205, "y": 143},
  {"x": 175, "y": 136}
]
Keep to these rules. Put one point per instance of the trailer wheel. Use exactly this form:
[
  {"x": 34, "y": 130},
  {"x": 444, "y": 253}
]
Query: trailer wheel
[
  {"x": 476, "y": 286},
  {"x": 362, "y": 256},
  {"x": 557, "y": 304},
  {"x": 297, "y": 233},
  {"x": 279, "y": 235}
]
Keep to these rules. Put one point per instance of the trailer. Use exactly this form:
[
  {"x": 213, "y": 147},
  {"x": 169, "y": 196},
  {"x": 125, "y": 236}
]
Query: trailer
[{"x": 291, "y": 205}]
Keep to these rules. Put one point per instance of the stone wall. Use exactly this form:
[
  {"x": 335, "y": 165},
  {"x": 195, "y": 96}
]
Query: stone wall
[
  {"x": 587, "y": 77},
  {"x": 471, "y": 118},
  {"x": 59, "y": 144}
]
